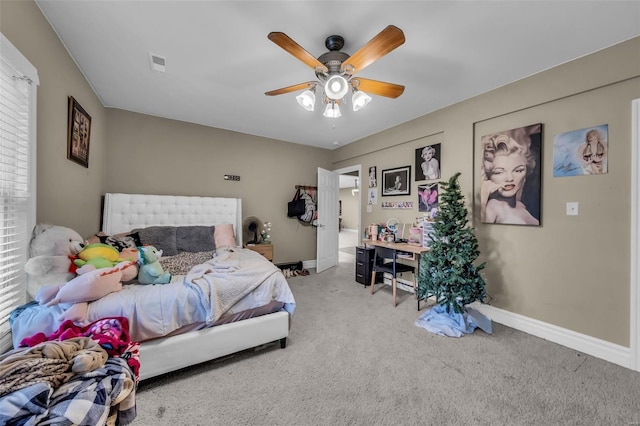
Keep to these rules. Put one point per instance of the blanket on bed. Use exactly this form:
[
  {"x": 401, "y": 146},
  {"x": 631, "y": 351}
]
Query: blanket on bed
[
  {"x": 159, "y": 310},
  {"x": 226, "y": 278}
]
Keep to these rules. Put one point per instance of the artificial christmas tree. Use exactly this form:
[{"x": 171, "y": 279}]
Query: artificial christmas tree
[{"x": 447, "y": 271}]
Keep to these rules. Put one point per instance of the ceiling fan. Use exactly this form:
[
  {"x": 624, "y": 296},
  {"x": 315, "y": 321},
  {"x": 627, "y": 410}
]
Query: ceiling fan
[{"x": 336, "y": 71}]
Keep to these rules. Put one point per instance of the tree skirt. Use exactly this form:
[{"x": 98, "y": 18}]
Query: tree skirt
[{"x": 437, "y": 320}]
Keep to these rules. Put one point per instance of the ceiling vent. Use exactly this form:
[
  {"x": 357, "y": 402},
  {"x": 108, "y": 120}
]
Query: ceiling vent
[{"x": 157, "y": 62}]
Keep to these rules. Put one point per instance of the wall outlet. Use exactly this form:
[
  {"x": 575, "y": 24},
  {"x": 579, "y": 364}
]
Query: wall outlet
[{"x": 231, "y": 177}]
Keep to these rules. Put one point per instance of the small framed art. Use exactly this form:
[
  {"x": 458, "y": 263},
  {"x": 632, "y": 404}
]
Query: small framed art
[
  {"x": 396, "y": 181},
  {"x": 428, "y": 162},
  {"x": 78, "y": 133}
]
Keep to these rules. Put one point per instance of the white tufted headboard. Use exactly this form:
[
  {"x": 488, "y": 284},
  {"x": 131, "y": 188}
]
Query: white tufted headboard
[{"x": 124, "y": 212}]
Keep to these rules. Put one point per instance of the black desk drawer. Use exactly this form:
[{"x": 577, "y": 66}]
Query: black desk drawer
[{"x": 364, "y": 265}]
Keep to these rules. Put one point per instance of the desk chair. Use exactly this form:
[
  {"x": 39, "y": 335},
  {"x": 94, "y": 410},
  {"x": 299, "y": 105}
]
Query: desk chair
[{"x": 386, "y": 260}]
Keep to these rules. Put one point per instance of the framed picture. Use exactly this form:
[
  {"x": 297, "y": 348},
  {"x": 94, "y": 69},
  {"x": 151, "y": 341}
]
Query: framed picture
[
  {"x": 581, "y": 152},
  {"x": 78, "y": 133},
  {"x": 373, "y": 182},
  {"x": 428, "y": 198},
  {"x": 396, "y": 181},
  {"x": 428, "y": 162},
  {"x": 510, "y": 176}
]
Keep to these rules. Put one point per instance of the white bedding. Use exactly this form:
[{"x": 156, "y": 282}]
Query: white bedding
[{"x": 158, "y": 310}]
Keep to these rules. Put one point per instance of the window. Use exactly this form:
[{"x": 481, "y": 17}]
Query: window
[{"x": 18, "y": 82}]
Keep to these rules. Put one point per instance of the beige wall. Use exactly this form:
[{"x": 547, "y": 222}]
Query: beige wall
[
  {"x": 572, "y": 272},
  {"x": 153, "y": 155},
  {"x": 68, "y": 193}
]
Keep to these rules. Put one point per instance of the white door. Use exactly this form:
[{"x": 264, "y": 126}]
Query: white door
[{"x": 327, "y": 239}]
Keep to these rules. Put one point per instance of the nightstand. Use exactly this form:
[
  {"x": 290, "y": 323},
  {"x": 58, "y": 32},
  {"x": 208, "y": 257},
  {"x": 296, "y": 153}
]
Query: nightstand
[{"x": 264, "y": 249}]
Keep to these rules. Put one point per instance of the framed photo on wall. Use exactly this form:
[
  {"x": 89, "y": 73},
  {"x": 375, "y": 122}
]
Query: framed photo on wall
[
  {"x": 428, "y": 162},
  {"x": 396, "y": 181},
  {"x": 581, "y": 152},
  {"x": 428, "y": 198},
  {"x": 373, "y": 181},
  {"x": 510, "y": 178},
  {"x": 78, "y": 133}
]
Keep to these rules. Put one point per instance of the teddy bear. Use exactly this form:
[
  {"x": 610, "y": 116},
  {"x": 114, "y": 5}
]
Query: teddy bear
[
  {"x": 51, "y": 251},
  {"x": 151, "y": 271}
]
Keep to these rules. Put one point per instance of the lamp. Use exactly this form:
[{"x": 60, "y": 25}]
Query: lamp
[
  {"x": 336, "y": 87},
  {"x": 359, "y": 99},
  {"x": 307, "y": 99},
  {"x": 332, "y": 110}
]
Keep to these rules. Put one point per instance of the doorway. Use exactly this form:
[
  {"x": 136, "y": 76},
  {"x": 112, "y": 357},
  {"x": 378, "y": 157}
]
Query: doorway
[{"x": 349, "y": 212}]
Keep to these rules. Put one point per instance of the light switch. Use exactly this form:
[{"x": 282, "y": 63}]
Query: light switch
[
  {"x": 369, "y": 208},
  {"x": 572, "y": 208}
]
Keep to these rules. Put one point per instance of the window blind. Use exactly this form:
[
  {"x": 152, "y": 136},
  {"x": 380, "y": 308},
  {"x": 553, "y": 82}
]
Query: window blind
[{"x": 17, "y": 121}]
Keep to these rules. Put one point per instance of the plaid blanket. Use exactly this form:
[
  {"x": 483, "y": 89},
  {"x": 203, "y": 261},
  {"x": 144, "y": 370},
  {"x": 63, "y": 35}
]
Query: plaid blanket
[{"x": 104, "y": 396}]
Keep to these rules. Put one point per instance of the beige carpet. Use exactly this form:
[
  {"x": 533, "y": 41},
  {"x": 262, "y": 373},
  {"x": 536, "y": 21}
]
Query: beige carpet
[{"x": 354, "y": 359}]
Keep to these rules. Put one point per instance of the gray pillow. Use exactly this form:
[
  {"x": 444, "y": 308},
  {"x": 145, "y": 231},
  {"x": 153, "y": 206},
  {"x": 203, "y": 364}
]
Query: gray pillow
[
  {"x": 161, "y": 237},
  {"x": 195, "y": 239}
]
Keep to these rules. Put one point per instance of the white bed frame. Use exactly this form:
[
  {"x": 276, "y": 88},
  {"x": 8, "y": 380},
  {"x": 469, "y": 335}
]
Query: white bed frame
[{"x": 124, "y": 212}]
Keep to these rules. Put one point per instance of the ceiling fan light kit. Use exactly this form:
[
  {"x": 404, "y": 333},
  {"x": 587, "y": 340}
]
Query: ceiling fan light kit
[
  {"x": 335, "y": 69},
  {"x": 359, "y": 100},
  {"x": 332, "y": 110},
  {"x": 307, "y": 99},
  {"x": 336, "y": 87}
]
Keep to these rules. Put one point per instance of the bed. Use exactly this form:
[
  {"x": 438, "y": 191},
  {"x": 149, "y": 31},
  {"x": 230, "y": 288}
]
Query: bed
[
  {"x": 192, "y": 341},
  {"x": 124, "y": 212}
]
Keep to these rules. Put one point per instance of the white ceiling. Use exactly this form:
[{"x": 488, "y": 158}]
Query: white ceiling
[{"x": 219, "y": 62}]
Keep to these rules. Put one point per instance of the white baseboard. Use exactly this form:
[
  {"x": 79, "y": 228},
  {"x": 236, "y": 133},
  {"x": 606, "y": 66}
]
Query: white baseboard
[
  {"x": 598, "y": 348},
  {"x": 309, "y": 264}
]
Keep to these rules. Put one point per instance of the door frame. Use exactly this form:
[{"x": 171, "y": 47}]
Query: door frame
[
  {"x": 635, "y": 237},
  {"x": 356, "y": 168}
]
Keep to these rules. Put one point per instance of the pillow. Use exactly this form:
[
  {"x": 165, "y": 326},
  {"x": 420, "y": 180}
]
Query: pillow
[
  {"x": 195, "y": 239},
  {"x": 161, "y": 237},
  {"x": 89, "y": 286},
  {"x": 120, "y": 242},
  {"x": 224, "y": 236}
]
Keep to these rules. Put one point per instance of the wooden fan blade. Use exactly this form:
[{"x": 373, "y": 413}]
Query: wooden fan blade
[
  {"x": 284, "y": 41},
  {"x": 379, "y": 88},
  {"x": 288, "y": 89},
  {"x": 387, "y": 40}
]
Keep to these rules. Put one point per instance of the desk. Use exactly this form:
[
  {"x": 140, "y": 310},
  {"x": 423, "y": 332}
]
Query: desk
[{"x": 416, "y": 251}]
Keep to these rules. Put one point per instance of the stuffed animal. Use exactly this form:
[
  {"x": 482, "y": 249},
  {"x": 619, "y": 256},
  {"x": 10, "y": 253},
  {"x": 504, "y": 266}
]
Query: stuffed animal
[
  {"x": 96, "y": 256},
  {"x": 151, "y": 271},
  {"x": 87, "y": 287},
  {"x": 50, "y": 252}
]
